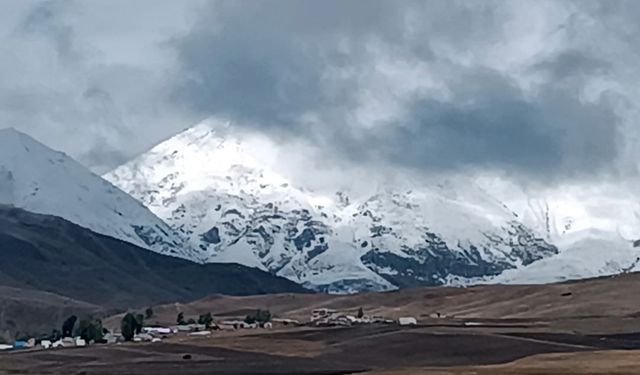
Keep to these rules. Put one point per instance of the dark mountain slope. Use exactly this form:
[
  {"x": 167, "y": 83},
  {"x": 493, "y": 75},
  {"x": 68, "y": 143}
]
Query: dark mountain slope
[
  {"x": 28, "y": 312},
  {"x": 51, "y": 254}
]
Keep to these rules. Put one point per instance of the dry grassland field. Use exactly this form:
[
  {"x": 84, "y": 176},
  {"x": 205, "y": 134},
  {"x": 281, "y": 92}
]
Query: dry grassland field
[{"x": 585, "y": 327}]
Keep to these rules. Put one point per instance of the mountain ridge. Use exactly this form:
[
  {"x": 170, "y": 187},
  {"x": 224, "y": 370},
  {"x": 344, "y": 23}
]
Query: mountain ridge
[
  {"x": 39, "y": 179},
  {"x": 213, "y": 185}
]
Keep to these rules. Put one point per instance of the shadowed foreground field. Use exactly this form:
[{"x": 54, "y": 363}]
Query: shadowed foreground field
[
  {"x": 582, "y": 327},
  {"x": 363, "y": 349},
  {"x": 611, "y": 362},
  {"x": 576, "y": 305}
]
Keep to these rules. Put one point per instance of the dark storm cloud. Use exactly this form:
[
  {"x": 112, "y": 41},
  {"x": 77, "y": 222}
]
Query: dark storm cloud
[
  {"x": 266, "y": 61},
  {"x": 46, "y": 20},
  {"x": 269, "y": 61},
  {"x": 269, "y": 64},
  {"x": 571, "y": 63},
  {"x": 533, "y": 88},
  {"x": 85, "y": 77},
  {"x": 490, "y": 124},
  {"x": 65, "y": 108}
]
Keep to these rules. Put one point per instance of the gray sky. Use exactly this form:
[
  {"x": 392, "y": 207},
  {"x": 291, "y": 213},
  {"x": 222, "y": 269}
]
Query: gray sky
[{"x": 540, "y": 90}]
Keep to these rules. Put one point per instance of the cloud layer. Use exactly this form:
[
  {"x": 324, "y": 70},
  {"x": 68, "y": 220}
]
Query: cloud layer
[
  {"x": 540, "y": 90},
  {"x": 439, "y": 85}
]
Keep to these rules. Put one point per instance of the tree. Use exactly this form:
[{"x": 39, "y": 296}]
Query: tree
[
  {"x": 148, "y": 313},
  {"x": 55, "y": 335},
  {"x": 90, "y": 330},
  {"x": 191, "y": 321},
  {"x": 360, "y": 313},
  {"x": 67, "y": 326},
  {"x": 128, "y": 326},
  {"x": 180, "y": 319},
  {"x": 139, "y": 323},
  {"x": 206, "y": 319},
  {"x": 259, "y": 316}
]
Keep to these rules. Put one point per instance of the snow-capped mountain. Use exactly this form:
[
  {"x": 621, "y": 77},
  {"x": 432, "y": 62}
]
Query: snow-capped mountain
[
  {"x": 216, "y": 185},
  {"x": 35, "y": 178},
  {"x": 587, "y": 253},
  {"x": 595, "y": 227}
]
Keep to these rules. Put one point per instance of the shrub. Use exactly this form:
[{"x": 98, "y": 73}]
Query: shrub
[
  {"x": 55, "y": 335},
  {"x": 139, "y": 323},
  {"x": 180, "y": 319},
  {"x": 128, "y": 326},
  {"x": 148, "y": 313},
  {"x": 67, "y": 326},
  {"x": 259, "y": 316},
  {"x": 90, "y": 330},
  {"x": 206, "y": 319}
]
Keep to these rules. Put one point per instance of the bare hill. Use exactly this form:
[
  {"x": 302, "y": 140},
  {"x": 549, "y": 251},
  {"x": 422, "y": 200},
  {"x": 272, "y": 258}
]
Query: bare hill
[
  {"x": 42, "y": 253},
  {"x": 28, "y": 311},
  {"x": 607, "y": 297}
]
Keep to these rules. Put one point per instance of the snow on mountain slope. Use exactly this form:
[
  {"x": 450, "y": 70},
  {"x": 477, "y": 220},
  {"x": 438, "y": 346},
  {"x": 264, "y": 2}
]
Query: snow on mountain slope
[
  {"x": 572, "y": 208},
  {"x": 594, "y": 227},
  {"x": 222, "y": 189},
  {"x": 588, "y": 253},
  {"x": 35, "y": 178}
]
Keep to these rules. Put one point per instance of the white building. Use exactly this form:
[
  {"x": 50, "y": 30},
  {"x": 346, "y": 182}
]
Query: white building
[
  {"x": 407, "y": 321},
  {"x": 322, "y": 314}
]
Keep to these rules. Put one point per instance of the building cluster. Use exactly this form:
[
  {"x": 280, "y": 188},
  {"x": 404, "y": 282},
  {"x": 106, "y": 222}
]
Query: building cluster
[
  {"x": 153, "y": 334},
  {"x": 321, "y": 317},
  {"x": 67, "y": 342},
  {"x": 330, "y": 317}
]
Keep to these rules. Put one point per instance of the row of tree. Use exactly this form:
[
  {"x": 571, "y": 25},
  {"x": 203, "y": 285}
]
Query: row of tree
[
  {"x": 131, "y": 325},
  {"x": 204, "y": 319},
  {"x": 89, "y": 329},
  {"x": 259, "y": 316}
]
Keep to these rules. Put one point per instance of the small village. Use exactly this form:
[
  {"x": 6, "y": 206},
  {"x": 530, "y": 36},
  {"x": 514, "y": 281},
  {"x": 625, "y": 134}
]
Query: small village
[{"x": 133, "y": 329}]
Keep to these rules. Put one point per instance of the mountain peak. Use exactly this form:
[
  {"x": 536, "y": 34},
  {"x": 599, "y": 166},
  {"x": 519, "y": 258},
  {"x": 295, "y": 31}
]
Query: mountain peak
[
  {"x": 12, "y": 140},
  {"x": 209, "y": 155},
  {"x": 223, "y": 188},
  {"x": 39, "y": 179},
  {"x": 204, "y": 134},
  {"x": 206, "y": 128},
  {"x": 9, "y": 131}
]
